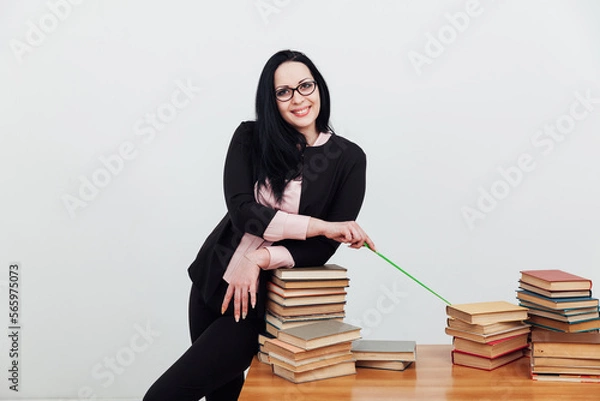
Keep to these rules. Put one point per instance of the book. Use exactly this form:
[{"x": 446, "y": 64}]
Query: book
[
  {"x": 572, "y": 362},
  {"x": 303, "y": 310},
  {"x": 304, "y": 284},
  {"x": 313, "y": 300},
  {"x": 550, "y": 377},
  {"x": 574, "y": 327},
  {"x": 574, "y": 370},
  {"x": 492, "y": 349},
  {"x": 315, "y": 363},
  {"x": 557, "y": 303},
  {"x": 263, "y": 337},
  {"x": 556, "y": 315},
  {"x": 565, "y": 312},
  {"x": 319, "y": 334},
  {"x": 303, "y": 292},
  {"x": 565, "y": 345},
  {"x": 555, "y": 280},
  {"x": 282, "y": 322},
  {"x": 491, "y": 328},
  {"x": 340, "y": 369},
  {"x": 380, "y": 350},
  {"x": 487, "y": 312},
  {"x": 474, "y": 361},
  {"x": 488, "y": 338},
  {"x": 325, "y": 272},
  {"x": 384, "y": 365},
  {"x": 555, "y": 294},
  {"x": 263, "y": 357},
  {"x": 292, "y": 353}
]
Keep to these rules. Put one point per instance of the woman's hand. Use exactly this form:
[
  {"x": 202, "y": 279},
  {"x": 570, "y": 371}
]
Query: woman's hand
[
  {"x": 347, "y": 232},
  {"x": 243, "y": 280}
]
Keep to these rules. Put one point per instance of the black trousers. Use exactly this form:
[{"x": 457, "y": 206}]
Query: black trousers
[{"x": 213, "y": 366}]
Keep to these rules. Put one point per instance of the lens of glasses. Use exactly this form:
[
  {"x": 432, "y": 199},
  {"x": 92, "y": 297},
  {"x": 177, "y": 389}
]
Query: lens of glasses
[{"x": 305, "y": 89}]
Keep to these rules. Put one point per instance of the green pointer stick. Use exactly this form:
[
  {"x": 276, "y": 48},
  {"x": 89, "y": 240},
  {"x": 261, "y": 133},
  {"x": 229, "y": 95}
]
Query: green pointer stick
[{"x": 405, "y": 272}]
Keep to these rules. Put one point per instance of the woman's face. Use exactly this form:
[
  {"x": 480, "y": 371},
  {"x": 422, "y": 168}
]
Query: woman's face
[{"x": 300, "y": 111}]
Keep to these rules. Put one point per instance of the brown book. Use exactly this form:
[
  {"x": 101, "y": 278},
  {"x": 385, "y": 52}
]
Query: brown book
[
  {"x": 474, "y": 361},
  {"x": 288, "y": 322},
  {"x": 487, "y": 312},
  {"x": 326, "y": 360},
  {"x": 340, "y": 369},
  {"x": 566, "y": 362},
  {"x": 555, "y": 280},
  {"x": 304, "y": 292},
  {"x": 564, "y": 318},
  {"x": 575, "y": 327},
  {"x": 319, "y": 334},
  {"x": 488, "y": 338},
  {"x": 565, "y": 345},
  {"x": 565, "y": 312},
  {"x": 313, "y": 300},
  {"x": 303, "y": 310},
  {"x": 573, "y": 370},
  {"x": 304, "y": 284},
  {"x": 296, "y": 354},
  {"x": 325, "y": 272},
  {"x": 491, "y": 328},
  {"x": 555, "y": 294},
  {"x": 383, "y": 365},
  {"x": 263, "y": 357},
  {"x": 492, "y": 349},
  {"x": 551, "y": 377},
  {"x": 263, "y": 337},
  {"x": 557, "y": 303},
  {"x": 380, "y": 350}
]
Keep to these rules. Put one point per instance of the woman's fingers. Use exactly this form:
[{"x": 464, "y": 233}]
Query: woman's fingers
[{"x": 227, "y": 298}]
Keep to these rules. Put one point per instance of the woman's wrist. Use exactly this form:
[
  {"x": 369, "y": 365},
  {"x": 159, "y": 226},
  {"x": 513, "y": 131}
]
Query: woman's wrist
[
  {"x": 261, "y": 257},
  {"x": 315, "y": 227}
]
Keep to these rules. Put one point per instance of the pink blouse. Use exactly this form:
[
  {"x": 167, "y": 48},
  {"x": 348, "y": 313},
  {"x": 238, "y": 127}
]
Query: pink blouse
[{"x": 286, "y": 224}]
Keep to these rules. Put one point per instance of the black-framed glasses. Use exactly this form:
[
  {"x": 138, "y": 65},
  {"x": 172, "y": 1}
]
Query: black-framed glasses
[{"x": 286, "y": 93}]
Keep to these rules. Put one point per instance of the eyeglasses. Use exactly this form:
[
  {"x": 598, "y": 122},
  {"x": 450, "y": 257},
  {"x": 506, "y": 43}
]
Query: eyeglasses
[{"x": 286, "y": 93}]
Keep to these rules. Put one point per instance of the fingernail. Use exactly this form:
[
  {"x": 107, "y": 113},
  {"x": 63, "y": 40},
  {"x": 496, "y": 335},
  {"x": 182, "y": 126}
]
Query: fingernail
[
  {"x": 253, "y": 305},
  {"x": 222, "y": 310},
  {"x": 244, "y": 315},
  {"x": 237, "y": 318}
]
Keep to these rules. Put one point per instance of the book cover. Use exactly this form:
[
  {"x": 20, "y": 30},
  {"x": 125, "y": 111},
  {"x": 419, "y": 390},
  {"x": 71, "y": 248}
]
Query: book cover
[
  {"x": 384, "y": 350},
  {"x": 281, "y": 321},
  {"x": 319, "y": 334},
  {"x": 304, "y": 292},
  {"x": 488, "y": 338},
  {"x": 303, "y": 310},
  {"x": 316, "y": 363},
  {"x": 312, "y": 300},
  {"x": 304, "y": 284},
  {"x": 555, "y": 294},
  {"x": 492, "y": 349},
  {"x": 555, "y": 280},
  {"x": 585, "y": 325},
  {"x": 564, "y": 311},
  {"x": 297, "y": 354},
  {"x": 340, "y": 369},
  {"x": 573, "y": 370},
  {"x": 473, "y": 361},
  {"x": 565, "y": 345},
  {"x": 487, "y": 312},
  {"x": 325, "y": 272},
  {"x": 566, "y": 362},
  {"x": 557, "y": 303},
  {"x": 557, "y": 315},
  {"x": 384, "y": 365},
  {"x": 550, "y": 377},
  {"x": 491, "y": 328}
]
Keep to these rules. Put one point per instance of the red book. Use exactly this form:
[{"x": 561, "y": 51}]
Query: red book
[{"x": 555, "y": 280}]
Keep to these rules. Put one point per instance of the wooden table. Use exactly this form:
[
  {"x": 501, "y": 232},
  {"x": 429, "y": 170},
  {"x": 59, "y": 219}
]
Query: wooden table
[{"x": 432, "y": 377}]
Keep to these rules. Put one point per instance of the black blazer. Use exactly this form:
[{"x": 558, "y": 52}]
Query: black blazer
[{"x": 333, "y": 189}]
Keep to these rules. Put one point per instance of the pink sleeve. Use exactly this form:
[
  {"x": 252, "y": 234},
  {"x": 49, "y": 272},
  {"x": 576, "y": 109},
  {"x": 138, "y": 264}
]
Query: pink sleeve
[
  {"x": 286, "y": 226},
  {"x": 280, "y": 257}
]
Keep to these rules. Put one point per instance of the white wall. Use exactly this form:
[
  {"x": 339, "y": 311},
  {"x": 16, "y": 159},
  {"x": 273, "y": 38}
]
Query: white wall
[{"x": 435, "y": 131}]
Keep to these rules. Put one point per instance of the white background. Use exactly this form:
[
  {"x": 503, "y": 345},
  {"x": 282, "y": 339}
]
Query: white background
[{"x": 434, "y": 135}]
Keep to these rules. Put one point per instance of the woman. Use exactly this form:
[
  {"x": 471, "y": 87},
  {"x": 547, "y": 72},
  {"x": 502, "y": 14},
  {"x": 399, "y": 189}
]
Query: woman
[{"x": 293, "y": 190}]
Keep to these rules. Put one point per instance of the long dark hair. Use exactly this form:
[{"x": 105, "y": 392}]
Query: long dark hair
[{"x": 279, "y": 146}]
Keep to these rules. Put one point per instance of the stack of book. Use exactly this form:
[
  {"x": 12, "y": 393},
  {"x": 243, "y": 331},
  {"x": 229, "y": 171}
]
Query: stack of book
[
  {"x": 487, "y": 335},
  {"x": 565, "y": 357},
  {"x": 304, "y": 295},
  {"x": 314, "y": 351},
  {"x": 558, "y": 301},
  {"x": 386, "y": 355}
]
